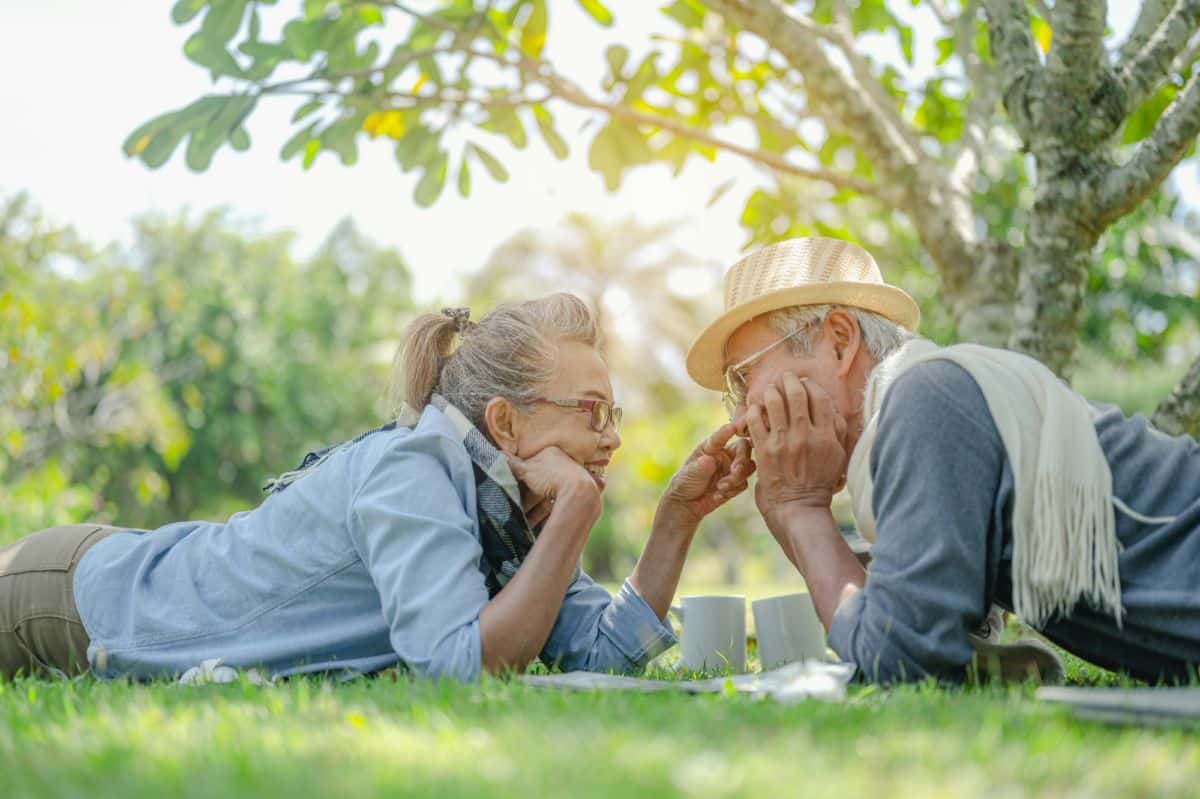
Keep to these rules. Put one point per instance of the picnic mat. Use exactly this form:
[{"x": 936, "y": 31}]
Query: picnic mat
[
  {"x": 809, "y": 679},
  {"x": 1156, "y": 706}
]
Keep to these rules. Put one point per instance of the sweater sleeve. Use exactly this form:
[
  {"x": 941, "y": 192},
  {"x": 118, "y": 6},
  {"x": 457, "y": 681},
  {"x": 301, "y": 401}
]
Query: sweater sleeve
[{"x": 937, "y": 464}]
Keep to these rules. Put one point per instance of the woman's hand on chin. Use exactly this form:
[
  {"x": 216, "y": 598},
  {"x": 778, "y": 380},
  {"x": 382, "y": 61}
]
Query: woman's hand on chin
[
  {"x": 713, "y": 474},
  {"x": 548, "y": 477}
]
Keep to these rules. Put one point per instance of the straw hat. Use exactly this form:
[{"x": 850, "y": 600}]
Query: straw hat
[{"x": 808, "y": 271}]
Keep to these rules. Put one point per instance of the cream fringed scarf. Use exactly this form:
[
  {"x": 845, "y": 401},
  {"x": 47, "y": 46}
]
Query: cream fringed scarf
[{"x": 1065, "y": 546}]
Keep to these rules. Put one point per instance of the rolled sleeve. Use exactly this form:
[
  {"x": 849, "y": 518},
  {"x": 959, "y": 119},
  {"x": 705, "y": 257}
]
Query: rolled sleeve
[
  {"x": 937, "y": 465},
  {"x": 597, "y": 631}
]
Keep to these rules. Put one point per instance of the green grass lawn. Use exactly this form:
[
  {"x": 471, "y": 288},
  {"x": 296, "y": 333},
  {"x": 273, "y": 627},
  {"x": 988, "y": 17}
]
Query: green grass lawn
[
  {"x": 387, "y": 738},
  {"x": 392, "y": 736}
]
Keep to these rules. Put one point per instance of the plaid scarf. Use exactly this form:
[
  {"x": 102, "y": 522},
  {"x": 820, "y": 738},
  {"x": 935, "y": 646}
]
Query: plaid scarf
[{"x": 504, "y": 532}]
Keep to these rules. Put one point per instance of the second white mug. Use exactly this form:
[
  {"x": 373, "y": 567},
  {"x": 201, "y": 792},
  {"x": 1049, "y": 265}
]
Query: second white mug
[{"x": 788, "y": 630}]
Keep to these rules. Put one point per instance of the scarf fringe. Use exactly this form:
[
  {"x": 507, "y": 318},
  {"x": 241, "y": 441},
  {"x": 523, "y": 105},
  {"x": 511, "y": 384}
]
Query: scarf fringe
[{"x": 1067, "y": 553}]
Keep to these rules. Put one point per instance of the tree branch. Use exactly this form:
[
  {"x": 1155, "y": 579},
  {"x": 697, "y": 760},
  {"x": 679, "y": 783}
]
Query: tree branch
[
  {"x": 1144, "y": 73},
  {"x": 1017, "y": 56},
  {"x": 911, "y": 181},
  {"x": 982, "y": 102},
  {"x": 1149, "y": 18},
  {"x": 1179, "y": 413},
  {"x": 1076, "y": 56},
  {"x": 562, "y": 88},
  {"x": 842, "y": 100},
  {"x": 1126, "y": 186}
]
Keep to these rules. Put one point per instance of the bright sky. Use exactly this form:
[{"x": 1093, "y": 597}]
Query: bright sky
[{"x": 80, "y": 75}]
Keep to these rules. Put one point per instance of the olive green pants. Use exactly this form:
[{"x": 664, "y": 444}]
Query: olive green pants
[{"x": 40, "y": 630}]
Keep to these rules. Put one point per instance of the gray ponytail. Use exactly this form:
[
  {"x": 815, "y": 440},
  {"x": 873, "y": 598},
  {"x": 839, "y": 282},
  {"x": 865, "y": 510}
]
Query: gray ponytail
[{"x": 509, "y": 353}]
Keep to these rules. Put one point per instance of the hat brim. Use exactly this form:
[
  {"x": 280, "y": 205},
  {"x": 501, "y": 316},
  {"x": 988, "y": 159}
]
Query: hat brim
[{"x": 706, "y": 357}]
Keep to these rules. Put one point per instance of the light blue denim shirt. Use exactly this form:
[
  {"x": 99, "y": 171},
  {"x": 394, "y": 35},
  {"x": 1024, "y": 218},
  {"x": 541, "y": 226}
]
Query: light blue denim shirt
[{"x": 370, "y": 560}]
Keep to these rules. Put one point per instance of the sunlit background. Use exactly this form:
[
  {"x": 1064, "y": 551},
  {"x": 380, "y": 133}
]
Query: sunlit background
[{"x": 188, "y": 334}]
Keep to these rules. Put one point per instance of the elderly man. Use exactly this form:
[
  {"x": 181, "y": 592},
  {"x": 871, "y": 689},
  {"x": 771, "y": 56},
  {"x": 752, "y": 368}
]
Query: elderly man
[{"x": 980, "y": 476}]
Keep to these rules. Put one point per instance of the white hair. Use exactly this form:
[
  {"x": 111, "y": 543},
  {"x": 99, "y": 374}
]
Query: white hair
[
  {"x": 511, "y": 353},
  {"x": 881, "y": 336}
]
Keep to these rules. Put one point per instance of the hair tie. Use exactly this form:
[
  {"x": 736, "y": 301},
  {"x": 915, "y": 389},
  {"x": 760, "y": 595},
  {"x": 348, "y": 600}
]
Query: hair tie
[{"x": 461, "y": 317}]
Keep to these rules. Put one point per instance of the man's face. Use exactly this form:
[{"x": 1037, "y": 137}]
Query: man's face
[{"x": 822, "y": 366}]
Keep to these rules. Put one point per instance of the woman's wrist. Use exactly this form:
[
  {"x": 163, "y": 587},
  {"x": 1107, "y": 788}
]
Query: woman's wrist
[
  {"x": 582, "y": 496},
  {"x": 676, "y": 518}
]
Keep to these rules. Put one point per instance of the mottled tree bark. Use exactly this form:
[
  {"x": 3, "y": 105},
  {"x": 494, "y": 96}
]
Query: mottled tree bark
[
  {"x": 1180, "y": 412},
  {"x": 1067, "y": 113}
]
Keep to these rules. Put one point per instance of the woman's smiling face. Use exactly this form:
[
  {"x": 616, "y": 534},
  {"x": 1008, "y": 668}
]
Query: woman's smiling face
[{"x": 579, "y": 374}]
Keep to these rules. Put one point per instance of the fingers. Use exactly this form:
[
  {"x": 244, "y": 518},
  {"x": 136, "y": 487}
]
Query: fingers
[
  {"x": 715, "y": 443},
  {"x": 515, "y": 464},
  {"x": 741, "y": 466},
  {"x": 795, "y": 389},
  {"x": 776, "y": 409},
  {"x": 757, "y": 424},
  {"x": 821, "y": 406},
  {"x": 539, "y": 512}
]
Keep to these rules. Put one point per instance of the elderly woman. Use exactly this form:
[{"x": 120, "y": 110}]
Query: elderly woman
[{"x": 447, "y": 541}]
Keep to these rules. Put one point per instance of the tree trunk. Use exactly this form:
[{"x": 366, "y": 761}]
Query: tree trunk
[
  {"x": 1053, "y": 276},
  {"x": 983, "y": 308},
  {"x": 1180, "y": 412}
]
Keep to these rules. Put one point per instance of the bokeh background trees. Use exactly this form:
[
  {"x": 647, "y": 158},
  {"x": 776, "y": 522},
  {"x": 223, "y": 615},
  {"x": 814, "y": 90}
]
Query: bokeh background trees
[{"x": 1008, "y": 163}]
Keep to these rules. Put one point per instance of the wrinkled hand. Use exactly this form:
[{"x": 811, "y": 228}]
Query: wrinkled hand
[
  {"x": 714, "y": 473},
  {"x": 545, "y": 477},
  {"x": 799, "y": 447}
]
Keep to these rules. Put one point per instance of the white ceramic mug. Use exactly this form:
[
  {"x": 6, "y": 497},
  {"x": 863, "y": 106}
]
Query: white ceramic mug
[
  {"x": 788, "y": 630},
  {"x": 714, "y": 633}
]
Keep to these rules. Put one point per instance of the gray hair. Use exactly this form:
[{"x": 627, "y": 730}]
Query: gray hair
[
  {"x": 881, "y": 336},
  {"x": 510, "y": 353}
]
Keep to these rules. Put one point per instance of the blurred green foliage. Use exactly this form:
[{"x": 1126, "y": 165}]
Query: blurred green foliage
[
  {"x": 165, "y": 378},
  {"x": 168, "y": 378}
]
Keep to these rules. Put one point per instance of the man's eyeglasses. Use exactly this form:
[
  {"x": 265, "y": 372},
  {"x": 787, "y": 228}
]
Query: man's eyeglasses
[
  {"x": 735, "y": 379},
  {"x": 600, "y": 412}
]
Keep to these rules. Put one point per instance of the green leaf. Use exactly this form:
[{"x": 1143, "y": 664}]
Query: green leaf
[
  {"x": 301, "y": 38},
  {"x": 297, "y": 142},
  {"x": 604, "y": 156},
  {"x": 906, "y": 43},
  {"x": 185, "y": 10},
  {"x": 222, "y": 21},
  {"x": 1141, "y": 122},
  {"x": 945, "y": 49},
  {"x": 490, "y": 163},
  {"x": 646, "y": 74},
  {"x": 719, "y": 192},
  {"x": 688, "y": 13},
  {"x": 311, "y": 148},
  {"x": 464, "y": 177},
  {"x": 545, "y": 123},
  {"x": 305, "y": 110},
  {"x": 340, "y": 137},
  {"x": 597, "y": 11},
  {"x": 416, "y": 147},
  {"x": 504, "y": 121},
  {"x": 616, "y": 55},
  {"x": 161, "y": 145},
  {"x": 1042, "y": 33},
  {"x": 206, "y": 139},
  {"x": 240, "y": 139},
  {"x": 429, "y": 188},
  {"x": 370, "y": 14},
  {"x": 533, "y": 34}
]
